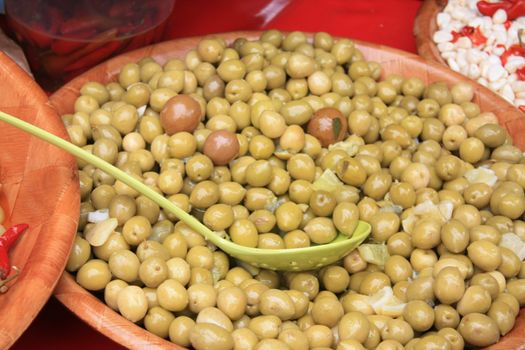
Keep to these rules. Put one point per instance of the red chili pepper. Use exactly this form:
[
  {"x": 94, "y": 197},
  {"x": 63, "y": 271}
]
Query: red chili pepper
[
  {"x": 54, "y": 65},
  {"x": 94, "y": 57},
  {"x": 521, "y": 73},
  {"x": 67, "y": 46},
  {"x": 38, "y": 37},
  {"x": 6, "y": 242},
  {"x": 86, "y": 23}
]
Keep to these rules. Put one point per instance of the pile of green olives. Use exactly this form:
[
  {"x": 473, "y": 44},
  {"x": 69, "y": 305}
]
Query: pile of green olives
[{"x": 280, "y": 143}]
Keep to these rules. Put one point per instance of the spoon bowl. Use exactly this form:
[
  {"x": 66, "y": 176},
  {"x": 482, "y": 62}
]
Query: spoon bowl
[{"x": 298, "y": 259}]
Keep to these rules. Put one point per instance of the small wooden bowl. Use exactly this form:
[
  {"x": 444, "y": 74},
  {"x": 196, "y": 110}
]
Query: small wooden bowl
[
  {"x": 39, "y": 187},
  {"x": 425, "y": 25},
  {"x": 102, "y": 318}
]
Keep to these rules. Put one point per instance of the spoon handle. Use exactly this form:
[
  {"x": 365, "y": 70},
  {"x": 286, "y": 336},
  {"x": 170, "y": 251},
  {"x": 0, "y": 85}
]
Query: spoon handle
[{"x": 115, "y": 172}]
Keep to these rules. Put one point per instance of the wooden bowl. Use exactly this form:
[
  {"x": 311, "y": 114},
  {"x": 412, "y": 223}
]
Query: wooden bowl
[
  {"x": 39, "y": 187},
  {"x": 425, "y": 25},
  {"x": 99, "y": 316}
]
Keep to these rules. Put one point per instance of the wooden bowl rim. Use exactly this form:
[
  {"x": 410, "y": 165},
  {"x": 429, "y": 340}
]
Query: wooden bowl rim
[
  {"x": 424, "y": 26},
  {"x": 105, "y": 320},
  {"x": 54, "y": 237}
]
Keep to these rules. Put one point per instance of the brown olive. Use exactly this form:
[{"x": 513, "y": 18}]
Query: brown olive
[
  {"x": 181, "y": 113},
  {"x": 328, "y": 125},
  {"x": 221, "y": 147}
]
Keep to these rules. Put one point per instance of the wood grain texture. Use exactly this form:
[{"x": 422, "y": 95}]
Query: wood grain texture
[
  {"x": 39, "y": 187},
  {"x": 424, "y": 27},
  {"x": 97, "y": 315}
]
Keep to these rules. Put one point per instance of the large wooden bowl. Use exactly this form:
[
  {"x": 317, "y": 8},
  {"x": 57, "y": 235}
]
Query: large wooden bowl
[
  {"x": 96, "y": 314},
  {"x": 39, "y": 187},
  {"x": 425, "y": 25}
]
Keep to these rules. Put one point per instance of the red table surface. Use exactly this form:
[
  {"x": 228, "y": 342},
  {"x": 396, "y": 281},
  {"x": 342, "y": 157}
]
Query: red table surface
[{"x": 387, "y": 22}]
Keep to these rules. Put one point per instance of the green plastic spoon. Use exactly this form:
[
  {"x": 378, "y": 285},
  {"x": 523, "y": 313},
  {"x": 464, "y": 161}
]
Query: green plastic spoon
[{"x": 298, "y": 259}]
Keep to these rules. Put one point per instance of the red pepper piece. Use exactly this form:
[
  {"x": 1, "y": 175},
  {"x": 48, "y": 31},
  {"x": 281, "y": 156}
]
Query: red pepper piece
[
  {"x": 6, "y": 241},
  {"x": 504, "y": 58},
  {"x": 38, "y": 37},
  {"x": 489, "y": 8},
  {"x": 94, "y": 57},
  {"x": 505, "y": 55},
  {"x": 67, "y": 46},
  {"x": 477, "y": 37},
  {"x": 64, "y": 47},
  {"x": 86, "y": 23},
  {"x": 521, "y": 73},
  {"x": 514, "y": 50},
  {"x": 465, "y": 31},
  {"x": 54, "y": 65},
  {"x": 455, "y": 36},
  {"x": 474, "y": 34},
  {"x": 516, "y": 10},
  {"x": 40, "y": 32},
  {"x": 507, "y": 24},
  {"x": 513, "y": 8}
]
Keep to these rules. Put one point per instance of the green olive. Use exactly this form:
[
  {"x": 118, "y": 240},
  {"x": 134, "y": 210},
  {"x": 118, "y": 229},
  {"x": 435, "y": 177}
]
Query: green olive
[
  {"x": 479, "y": 330},
  {"x": 94, "y": 275}
]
